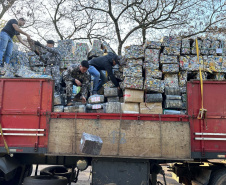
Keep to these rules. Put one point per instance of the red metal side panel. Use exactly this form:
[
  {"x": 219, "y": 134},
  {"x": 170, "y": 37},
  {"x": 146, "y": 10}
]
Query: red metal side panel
[
  {"x": 213, "y": 128},
  {"x": 25, "y": 104}
]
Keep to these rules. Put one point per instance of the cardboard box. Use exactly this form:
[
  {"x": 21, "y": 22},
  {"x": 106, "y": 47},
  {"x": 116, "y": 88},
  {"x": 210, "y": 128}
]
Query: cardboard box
[
  {"x": 136, "y": 96},
  {"x": 130, "y": 108},
  {"x": 150, "y": 108}
]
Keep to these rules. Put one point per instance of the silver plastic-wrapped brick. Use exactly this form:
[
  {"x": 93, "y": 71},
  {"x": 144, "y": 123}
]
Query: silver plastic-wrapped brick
[
  {"x": 152, "y": 44},
  {"x": 81, "y": 52},
  {"x": 113, "y": 99},
  {"x": 185, "y": 47},
  {"x": 133, "y": 83},
  {"x": 113, "y": 107},
  {"x": 170, "y": 68},
  {"x": 175, "y": 112},
  {"x": 183, "y": 76},
  {"x": 58, "y": 108},
  {"x": 171, "y": 80},
  {"x": 94, "y": 106},
  {"x": 166, "y": 59},
  {"x": 75, "y": 108},
  {"x": 152, "y": 98},
  {"x": 193, "y": 49},
  {"x": 173, "y": 97},
  {"x": 57, "y": 99},
  {"x": 134, "y": 51},
  {"x": 206, "y": 44},
  {"x": 184, "y": 97},
  {"x": 135, "y": 71},
  {"x": 111, "y": 92},
  {"x": 173, "y": 104},
  {"x": 134, "y": 62},
  {"x": 172, "y": 45},
  {"x": 90, "y": 144},
  {"x": 152, "y": 55},
  {"x": 96, "y": 99},
  {"x": 172, "y": 91},
  {"x": 154, "y": 85},
  {"x": 215, "y": 44},
  {"x": 151, "y": 73},
  {"x": 151, "y": 65}
]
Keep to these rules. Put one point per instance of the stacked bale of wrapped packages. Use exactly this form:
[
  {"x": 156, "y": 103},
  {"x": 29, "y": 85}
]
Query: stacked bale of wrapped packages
[
  {"x": 96, "y": 49},
  {"x": 153, "y": 84},
  {"x": 113, "y": 105},
  {"x": 95, "y": 104},
  {"x": 133, "y": 79}
]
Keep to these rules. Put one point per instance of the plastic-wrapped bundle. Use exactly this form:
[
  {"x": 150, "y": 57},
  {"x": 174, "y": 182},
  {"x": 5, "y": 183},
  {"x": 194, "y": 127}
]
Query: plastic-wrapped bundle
[
  {"x": 25, "y": 72},
  {"x": 154, "y": 85},
  {"x": 113, "y": 99},
  {"x": 170, "y": 68},
  {"x": 173, "y": 104},
  {"x": 96, "y": 99},
  {"x": 75, "y": 108},
  {"x": 204, "y": 76},
  {"x": 81, "y": 52},
  {"x": 173, "y": 97},
  {"x": 171, "y": 50},
  {"x": 216, "y": 64},
  {"x": 183, "y": 76},
  {"x": 171, "y": 80},
  {"x": 193, "y": 49},
  {"x": 133, "y": 83},
  {"x": 96, "y": 44},
  {"x": 185, "y": 47},
  {"x": 134, "y": 51},
  {"x": 57, "y": 99},
  {"x": 206, "y": 44},
  {"x": 118, "y": 75},
  {"x": 67, "y": 45},
  {"x": 113, "y": 107},
  {"x": 152, "y": 55},
  {"x": 219, "y": 76},
  {"x": 166, "y": 59},
  {"x": 134, "y": 62},
  {"x": 184, "y": 97},
  {"x": 184, "y": 62},
  {"x": 59, "y": 108},
  {"x": 108, "y": 84},
  {"x": 177, "y": 112},
  {"x": 151, "y": 73},
  {"x": 19, "y": 57},
  {"x": 151, "y": 98},
  {"x": 151, "y": 65},
  {"x": 110, "y": 92},
  {"x": 152, "y": 45},
  {"x": 172, "y": 91},
  {"x": 94, "y": 106},
  {"x": 172, "y": 45},
  {"x": 214, "y": 46},
  {"x": 135, "y": 71}
]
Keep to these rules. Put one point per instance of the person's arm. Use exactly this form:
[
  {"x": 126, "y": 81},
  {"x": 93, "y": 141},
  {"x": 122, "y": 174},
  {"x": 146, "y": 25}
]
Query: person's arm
[
  {"x": 16, "y": 27},
  {"x": 51, "y": 50},
  {"x": 111, "y": 75},
  {"x": 21, "y": 41}
]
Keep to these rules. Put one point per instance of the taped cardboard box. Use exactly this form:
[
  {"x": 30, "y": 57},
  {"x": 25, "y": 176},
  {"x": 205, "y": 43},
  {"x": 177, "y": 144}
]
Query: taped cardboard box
[
  {"x": 150, "y": 108},
  {"x": 133, "y": 96},
  {"x": 130, "y": 108}
]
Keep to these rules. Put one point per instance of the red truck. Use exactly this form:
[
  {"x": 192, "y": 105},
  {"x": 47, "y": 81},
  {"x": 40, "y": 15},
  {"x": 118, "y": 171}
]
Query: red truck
[{"x": 134, "y": 145}]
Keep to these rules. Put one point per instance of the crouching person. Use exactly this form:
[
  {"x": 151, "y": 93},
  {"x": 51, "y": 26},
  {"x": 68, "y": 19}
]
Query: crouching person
[{"x": 77, "y": 74}]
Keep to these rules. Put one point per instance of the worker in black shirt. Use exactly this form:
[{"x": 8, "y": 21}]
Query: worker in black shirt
[
  {"x": 6, "y": 38},
  {"x": 103, "y": 63}
]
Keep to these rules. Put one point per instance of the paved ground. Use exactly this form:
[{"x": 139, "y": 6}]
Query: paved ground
[{"x": 85, "y": 176}]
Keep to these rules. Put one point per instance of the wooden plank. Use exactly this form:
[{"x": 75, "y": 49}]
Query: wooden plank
[{"x": 148, "y": 139}]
